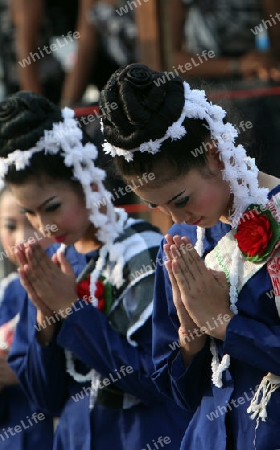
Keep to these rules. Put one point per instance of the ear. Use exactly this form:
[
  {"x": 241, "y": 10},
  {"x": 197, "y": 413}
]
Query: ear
[
  {"x": 94, "y": 187},
  {"x": 212, "y": 156}
]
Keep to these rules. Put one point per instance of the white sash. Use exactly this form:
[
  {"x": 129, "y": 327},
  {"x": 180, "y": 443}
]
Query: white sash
[{"x": 221, "y": 259}]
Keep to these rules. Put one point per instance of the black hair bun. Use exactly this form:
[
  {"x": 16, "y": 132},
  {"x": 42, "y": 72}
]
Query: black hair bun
[
  {"x": 138, "y": 75},
  {"x": 24, "y": 117},
  {"x": 148, "y": 102}
]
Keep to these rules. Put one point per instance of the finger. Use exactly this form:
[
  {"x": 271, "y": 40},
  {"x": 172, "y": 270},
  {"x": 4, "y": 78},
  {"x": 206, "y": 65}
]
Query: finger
[
  {"x": 166, "y": 249},
  {"x": 65, "y": 265},
  {"x": 181, "y": 310},
  {"x": 27, "y": 284},
  {"x": 175, "y": 251},
  {"x": 181, "y": 273},
  {"x": 32, "y": 294},
  {"x": 41, "y": 266},
  {"x": 20, "y": 256},
  {"x": 54, "y": 260},
  {"x": 175, "y": 288},
  {"x": 221, "y": 278},
  {"x": 169, "y": 239},
  {"x": 195, "y": 263},
  {"x": 183, "y": 286},
  {"x": 183, "y": 263}
]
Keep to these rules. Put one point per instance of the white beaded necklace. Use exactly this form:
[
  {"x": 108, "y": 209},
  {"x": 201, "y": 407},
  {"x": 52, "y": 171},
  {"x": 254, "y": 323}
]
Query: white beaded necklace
[{"x": 114, "y": 253}]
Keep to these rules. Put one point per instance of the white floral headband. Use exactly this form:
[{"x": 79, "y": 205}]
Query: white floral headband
[
  {"x": 239, "y": 170},
  {"x": 66, "y": 138}
]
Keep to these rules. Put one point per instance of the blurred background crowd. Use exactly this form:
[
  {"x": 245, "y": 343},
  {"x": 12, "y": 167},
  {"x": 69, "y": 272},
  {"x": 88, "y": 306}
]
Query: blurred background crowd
[{"x": 67, "y": 49}]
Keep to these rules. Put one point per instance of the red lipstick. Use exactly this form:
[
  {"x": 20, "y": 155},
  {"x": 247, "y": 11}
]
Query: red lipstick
[{"x": 60, "y": 238}]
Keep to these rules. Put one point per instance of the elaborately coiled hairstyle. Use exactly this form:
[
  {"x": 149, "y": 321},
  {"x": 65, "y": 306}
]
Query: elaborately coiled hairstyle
[
  {"x": 24, "y": 118},
  {"x": 148, "y": 103}
]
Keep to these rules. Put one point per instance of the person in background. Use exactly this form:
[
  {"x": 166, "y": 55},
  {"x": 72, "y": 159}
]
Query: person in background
[
  {"x": 230, "y": 45},
  {"x": 217, "y": 294},
  {"x": 23, "y": 426},
  {"x": 90, "y": 32},
  {"x": 82, "y": 349}
]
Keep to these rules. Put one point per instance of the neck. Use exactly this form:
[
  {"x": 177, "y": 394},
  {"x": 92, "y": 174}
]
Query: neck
[
  {"x": 86, "y": 246},
  {"x": 89, "y": 241},
  {"x": 265, "y": 181}
]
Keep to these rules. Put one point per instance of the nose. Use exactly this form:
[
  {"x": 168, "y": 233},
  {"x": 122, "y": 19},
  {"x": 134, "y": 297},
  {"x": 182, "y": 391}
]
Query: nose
[
  {"x": 177, "y": 215},
  {"x": 42, "y": 225},
  {"x": 23, "y": 233}
]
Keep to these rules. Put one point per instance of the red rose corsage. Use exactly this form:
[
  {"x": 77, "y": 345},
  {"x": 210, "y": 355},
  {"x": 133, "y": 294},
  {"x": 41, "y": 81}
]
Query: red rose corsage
[
  {"x": 83, "y": 291},
  {"x": 257, "y": 234}
]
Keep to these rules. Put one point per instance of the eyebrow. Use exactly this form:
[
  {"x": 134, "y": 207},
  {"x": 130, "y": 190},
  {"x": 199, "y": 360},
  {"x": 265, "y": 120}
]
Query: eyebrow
[
  {"x": 175, "y": 196},
  {"x": 169, "y": 201},
  {"x": 42, "y": 204}
]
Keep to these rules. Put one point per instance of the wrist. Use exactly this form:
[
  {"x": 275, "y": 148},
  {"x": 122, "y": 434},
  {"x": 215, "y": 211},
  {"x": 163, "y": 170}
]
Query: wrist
[
  {"x": 191, "y": 341},
  {"x": 220, "y": 331}
]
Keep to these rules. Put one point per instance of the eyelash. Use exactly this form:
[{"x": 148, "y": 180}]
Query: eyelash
[
  {"x": 181, "y": 203},
  {"x": 53, "y": 207},
  {"x": 10, "y": 227},
  {"x": 49, "y": 208}
]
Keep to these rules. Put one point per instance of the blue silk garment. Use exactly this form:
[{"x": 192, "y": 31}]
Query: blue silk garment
[
  {"x": 253, "y": 343},
  {"x": 18, "y": 430},
  {"x": 97, "y": 341}
]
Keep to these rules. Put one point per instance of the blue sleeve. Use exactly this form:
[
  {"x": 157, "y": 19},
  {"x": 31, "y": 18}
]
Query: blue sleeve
[
  {"x": 10, "y": 296},
  {"x": 185, "y": 386},
  {"x": 255, "y": 339},
  {"x": 40, "y": 370},
  {"x": 4, "y": 402},
  {"x": 88, "y": 334}
]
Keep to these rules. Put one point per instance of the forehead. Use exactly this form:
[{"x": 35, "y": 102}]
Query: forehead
[
  {"x": 161, "y": 193},
  {"x": 8, "y": 204},
  {"x": 33, "y": 192}
]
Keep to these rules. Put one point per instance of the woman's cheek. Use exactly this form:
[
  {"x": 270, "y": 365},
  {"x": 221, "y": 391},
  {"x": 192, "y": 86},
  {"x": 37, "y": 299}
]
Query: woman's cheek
[{"x": 204, "y": 203}]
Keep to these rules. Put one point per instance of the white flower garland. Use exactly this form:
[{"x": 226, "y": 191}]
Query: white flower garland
[
  {"x": 104, "y": 251},
  {"x": 239, "y": 170},
  {"x": 66, "y": 138},
  {"x": 241, "y": 173}
]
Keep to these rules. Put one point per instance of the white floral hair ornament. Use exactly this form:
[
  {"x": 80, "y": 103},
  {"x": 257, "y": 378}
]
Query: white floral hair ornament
[
  {"x": 239, "y": 170},
  {"x": 66, "y": 138}
]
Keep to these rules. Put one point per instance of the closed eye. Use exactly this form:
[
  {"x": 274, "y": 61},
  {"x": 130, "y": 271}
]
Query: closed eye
[
  {"x": 10, "y": 226},
  {"x": 53, "y": 207},
  {"x": 27, "y": 211},
  {"x": 182, "y": 202},
  {"x": 152, "y": 205}
]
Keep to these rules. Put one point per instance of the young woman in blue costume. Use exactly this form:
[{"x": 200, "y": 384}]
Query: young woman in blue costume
[
  {"x": 87, "y": 360},
  {"x": 216, "y": 344},
  {"x": 22, "y": 425}
]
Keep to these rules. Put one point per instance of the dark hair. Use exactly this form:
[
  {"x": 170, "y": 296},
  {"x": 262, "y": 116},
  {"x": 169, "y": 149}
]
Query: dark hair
[
  {"x": 24, "y": 117},
  {"x": 148, "y": 103}
]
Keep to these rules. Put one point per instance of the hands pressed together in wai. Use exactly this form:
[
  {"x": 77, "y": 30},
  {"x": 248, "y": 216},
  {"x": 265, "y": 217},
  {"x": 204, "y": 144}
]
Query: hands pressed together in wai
[
  {"x": 200, "y": 295},
  {"x": 49, "y": 282}
]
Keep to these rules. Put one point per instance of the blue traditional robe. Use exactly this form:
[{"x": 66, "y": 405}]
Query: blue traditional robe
[
  {"x": 253, "y": 343},
  {"x": 16, "y": 431},
  {"x": 96, "y": 341}
]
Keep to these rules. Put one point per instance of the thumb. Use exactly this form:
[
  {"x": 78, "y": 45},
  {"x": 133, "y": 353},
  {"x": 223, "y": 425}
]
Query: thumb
[
  {"x": 54, "y": 260},
  {"x": 65, "y": 265},
  {"x": 220, "y": 277}
]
